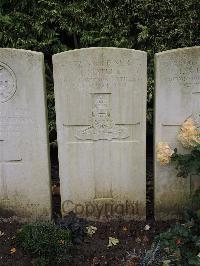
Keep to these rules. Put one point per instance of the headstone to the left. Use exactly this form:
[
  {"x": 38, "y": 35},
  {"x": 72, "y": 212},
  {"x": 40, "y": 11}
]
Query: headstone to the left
[{"x": 24, "y": 160}]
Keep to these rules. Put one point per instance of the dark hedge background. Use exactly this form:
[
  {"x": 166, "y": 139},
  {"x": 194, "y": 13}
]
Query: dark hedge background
[{"x": 53, "y": 26}]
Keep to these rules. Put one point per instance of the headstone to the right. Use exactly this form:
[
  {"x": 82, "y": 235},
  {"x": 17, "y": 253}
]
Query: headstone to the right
[{"x": 177, "y": 98}]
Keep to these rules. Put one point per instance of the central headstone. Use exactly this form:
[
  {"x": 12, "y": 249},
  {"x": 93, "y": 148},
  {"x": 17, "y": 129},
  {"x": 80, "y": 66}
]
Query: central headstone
[{"x": 100, "y": 98}]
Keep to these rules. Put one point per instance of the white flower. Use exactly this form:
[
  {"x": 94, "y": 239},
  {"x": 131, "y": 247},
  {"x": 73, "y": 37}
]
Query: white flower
[
  {"x": 163, "y": 153},
  {"x": 189, "y": 134}
]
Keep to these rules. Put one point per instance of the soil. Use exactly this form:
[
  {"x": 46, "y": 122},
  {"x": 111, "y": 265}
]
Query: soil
[
  {"x": 134, "y": 240},
  {"x": 7, "y": 244}
]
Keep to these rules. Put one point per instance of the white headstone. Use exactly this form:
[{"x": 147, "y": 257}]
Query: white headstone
[
  {"x": 101, "y": 122},
  {"x": 24, "y": 163},
  {"x": 177, "y": 98}
]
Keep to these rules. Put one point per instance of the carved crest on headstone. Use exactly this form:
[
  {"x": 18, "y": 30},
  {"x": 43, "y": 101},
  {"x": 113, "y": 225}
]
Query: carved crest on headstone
[
  {"x": 103, "y": 127},
  {"x": 7, "y": 83}
]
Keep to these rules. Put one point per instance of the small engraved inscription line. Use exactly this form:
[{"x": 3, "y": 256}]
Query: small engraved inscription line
[
  {"x": 196, "y": 92},
  {"x": 11, "y": 161},
  {"x": 118, "y": 124},
  {"x": 79, "y": 142},
  {"x": 127, "y": 141},
  {"x": 189, "y": 84},
  {"x": 127, "y": 124},
  {"x": 98, "y": 92},
  {"x": 72, "y": 125},
  {"x": 113, "y": 141},
  {"x": 171, "y": 125}
]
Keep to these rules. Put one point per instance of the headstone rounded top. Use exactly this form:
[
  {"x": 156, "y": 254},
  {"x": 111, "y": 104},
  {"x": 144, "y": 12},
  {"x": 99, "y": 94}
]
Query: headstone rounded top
[
  {"x": 8, "y": 83},
  {"x": 178, "y": 50},
  {"x": 105, "y": 49},
  {"x": 20, "y": 51}
]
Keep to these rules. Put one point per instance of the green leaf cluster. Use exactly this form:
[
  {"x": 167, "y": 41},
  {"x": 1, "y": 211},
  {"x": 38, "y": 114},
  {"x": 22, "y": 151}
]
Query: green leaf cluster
[
  {"x": 46, "y": 242},
  {"x": 187, "y": 164},
  {"x": 181, "y": 243}
]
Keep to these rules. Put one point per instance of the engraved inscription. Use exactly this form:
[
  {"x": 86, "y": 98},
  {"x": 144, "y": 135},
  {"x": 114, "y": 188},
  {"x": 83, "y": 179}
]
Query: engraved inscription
[
  {"x": 187, "y": 73},
  {"x": 103, "y": 127},
  {"x": 7, "y": 83}
]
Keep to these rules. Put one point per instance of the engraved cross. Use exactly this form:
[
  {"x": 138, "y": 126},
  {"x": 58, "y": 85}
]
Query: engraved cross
[{"x": 3, "y": 163}]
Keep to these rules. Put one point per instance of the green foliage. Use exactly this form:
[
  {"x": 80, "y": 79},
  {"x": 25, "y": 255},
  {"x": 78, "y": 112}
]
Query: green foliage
[
  {"x": 52, "y": 26},
  {"x": 195, "y": 201},
  {"x": 187, "y": 164},
  {"x": 181, "y": 243},
  {"x": 46, "y": 242}
]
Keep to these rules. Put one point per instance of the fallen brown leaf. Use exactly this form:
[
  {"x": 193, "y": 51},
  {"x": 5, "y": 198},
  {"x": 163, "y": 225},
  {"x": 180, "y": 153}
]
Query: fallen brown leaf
[{"x": 13, "y": 250}]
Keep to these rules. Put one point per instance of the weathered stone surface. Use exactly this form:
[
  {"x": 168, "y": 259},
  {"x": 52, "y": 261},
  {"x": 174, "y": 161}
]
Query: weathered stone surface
[
  {"x": 177, "y": 98},
  {"x": 24, "y": 163},
  {"x": 101, "y": 122}
]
